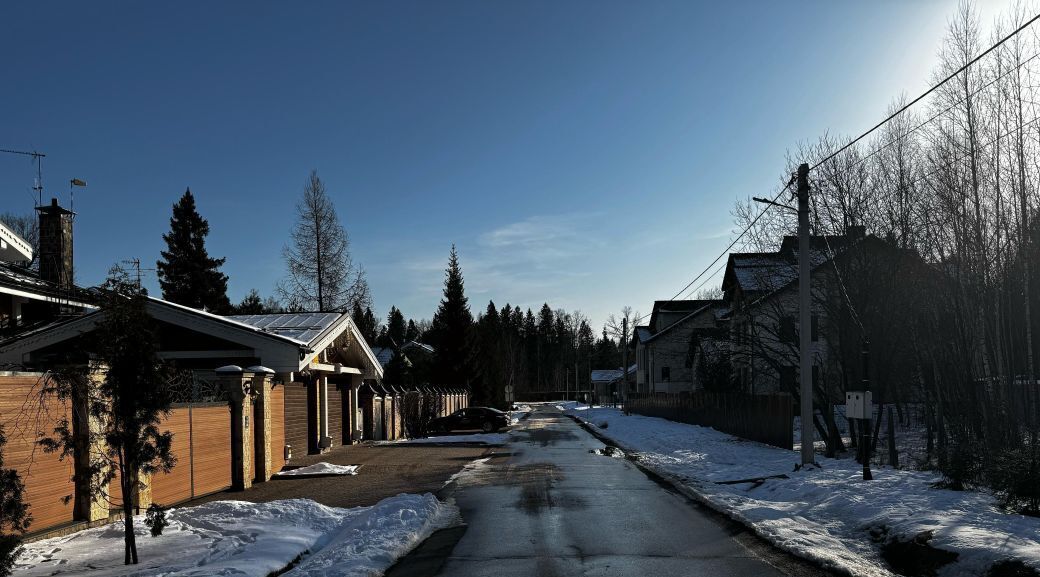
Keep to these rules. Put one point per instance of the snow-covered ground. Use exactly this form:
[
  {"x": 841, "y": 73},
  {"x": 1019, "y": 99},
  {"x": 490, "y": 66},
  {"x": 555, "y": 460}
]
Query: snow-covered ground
[
  {"x": 320, "y": 469},
  {"x": 518, "y": 413},
  {"x": 829, "y": 514},
  {"x": 482, "y": 438},
  {"x": 237, "y": 538}
]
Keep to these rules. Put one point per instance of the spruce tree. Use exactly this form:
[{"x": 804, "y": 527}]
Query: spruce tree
[
  {"x": 450, "y": 330},
  {"x": 366, "y": 323},
  {"x": 187, "y": 274},
  {"x": 14, "y": 513},
  {"x": 412, "y": 332},
  {"x": 395, "y": 327}
]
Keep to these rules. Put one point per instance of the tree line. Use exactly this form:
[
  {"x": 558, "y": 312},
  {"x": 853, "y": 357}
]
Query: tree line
[
  {"x": 497, "y": 350},
  {"x": 954, "y": 181}
]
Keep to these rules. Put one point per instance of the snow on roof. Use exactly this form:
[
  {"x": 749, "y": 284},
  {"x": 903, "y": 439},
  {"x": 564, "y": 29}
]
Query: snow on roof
[
  {"x": 417, "y": 345},
  {"x": 643, "y": 333},
  {"x": 13, "y": 248},
  {"x": 606, "y": 375},
  {"x": 383, "y": 355},
  {"x": 301, "y": 327},
  {"x": 29, "y": 284}
]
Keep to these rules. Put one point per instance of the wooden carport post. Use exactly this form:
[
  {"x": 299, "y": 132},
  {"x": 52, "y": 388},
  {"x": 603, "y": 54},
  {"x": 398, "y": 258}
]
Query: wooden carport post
[
  {"x": 261, "y": 389},
  {"x": 238, "y": 384}
]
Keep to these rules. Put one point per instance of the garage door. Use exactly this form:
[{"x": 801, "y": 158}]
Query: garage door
[
  {"x": 296, "y": 417},
  {"x": 277, "y": 428}
]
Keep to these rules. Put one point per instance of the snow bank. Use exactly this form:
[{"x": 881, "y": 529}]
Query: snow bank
[
  {"x": 369, "y": 544},
  {"x": 476, "y": 438},
  {"x": 320, "y": 469},
  {"x": 520, "y": 412},
  {"x": 236, "y": 538},
  {"x": 830, "y": 514},
  {"x": 571, "y": 406}
]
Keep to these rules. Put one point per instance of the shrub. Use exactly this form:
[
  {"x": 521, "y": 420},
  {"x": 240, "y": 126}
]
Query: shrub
[
  {"x": 155, "y": 519},
  {"x": 1015, "y": 479}
]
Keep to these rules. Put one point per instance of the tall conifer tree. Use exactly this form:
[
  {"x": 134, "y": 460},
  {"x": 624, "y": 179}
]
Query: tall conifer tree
[
  {"x": 187, "y": 274},
  {"x": 450, "y": 331}
]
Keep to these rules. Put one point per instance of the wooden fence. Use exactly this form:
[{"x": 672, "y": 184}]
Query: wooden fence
[{"x": 767, "y": 419}]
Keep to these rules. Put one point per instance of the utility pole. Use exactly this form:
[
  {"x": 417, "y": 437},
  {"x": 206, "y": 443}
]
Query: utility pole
[
  {"x": 805, "y": 317},
  {"x": 864, "y": 439},
  {"x": 624, "y": 359}
]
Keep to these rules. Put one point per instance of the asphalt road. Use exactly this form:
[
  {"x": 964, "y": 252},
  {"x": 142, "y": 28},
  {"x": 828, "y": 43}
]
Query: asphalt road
[{"x": 548, "y": 505}]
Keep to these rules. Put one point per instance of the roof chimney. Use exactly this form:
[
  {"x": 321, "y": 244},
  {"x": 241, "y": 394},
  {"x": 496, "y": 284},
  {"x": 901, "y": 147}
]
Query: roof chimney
[{"x": 56, "y": 244}]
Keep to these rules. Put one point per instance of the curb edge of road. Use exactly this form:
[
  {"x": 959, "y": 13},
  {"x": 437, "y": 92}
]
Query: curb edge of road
[{"x": 720, "y": 514}]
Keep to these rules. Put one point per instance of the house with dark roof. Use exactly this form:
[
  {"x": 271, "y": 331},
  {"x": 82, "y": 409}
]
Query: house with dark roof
[
  {"x": 666, "y": 360},
  {"x": 761, "y": 290}
]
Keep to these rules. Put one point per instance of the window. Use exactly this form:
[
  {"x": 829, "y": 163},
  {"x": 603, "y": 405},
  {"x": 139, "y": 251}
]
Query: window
[
  {"x": 665, "y": 374},
  {"x": 787, "y": 331}
]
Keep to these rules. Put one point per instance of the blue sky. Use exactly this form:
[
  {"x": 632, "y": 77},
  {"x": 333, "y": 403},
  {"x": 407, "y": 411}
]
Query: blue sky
[{"x": 584, "y": 153}]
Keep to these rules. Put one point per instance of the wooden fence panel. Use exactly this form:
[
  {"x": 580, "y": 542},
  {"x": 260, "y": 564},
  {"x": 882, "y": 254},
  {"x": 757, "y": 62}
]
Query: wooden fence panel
[
  {"x": 26, "y": 418},
  {"x": 211, "y": 446},
  {"x": 175, "y": 486},
  {"x": 764, "y": 418}
]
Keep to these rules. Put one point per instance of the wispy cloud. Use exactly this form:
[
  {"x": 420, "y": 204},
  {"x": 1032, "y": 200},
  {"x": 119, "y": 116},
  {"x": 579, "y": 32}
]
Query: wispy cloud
[{"x": 543, "y": 237}]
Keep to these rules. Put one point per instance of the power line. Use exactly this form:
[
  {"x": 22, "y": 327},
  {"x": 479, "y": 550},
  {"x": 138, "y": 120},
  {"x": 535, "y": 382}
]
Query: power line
[
  {"x": 935, "y": 116},
  {"x": 725, "y": 251},
  {"x": 926, "y": 93}
]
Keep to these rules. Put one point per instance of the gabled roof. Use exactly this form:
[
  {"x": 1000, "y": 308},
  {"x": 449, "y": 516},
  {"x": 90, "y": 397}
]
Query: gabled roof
[
  {"x": 606, "y": 376},
  {"x": 277, "y": 339},
  {"x": 383, "y": 355},
  {"x": 683, "y": 306},
  {"x": 300, "y": 327},
  {"x": 709, "y": 307},
  {"x": 643, "y": 333},
  {"x": 417, "y": 346}
]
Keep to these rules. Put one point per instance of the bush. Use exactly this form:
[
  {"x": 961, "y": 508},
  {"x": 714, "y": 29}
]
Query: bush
[
  {"x": 961, "y": 465},
  {"x": 1015, "y": 479},
  {"x": 155, "y": 519}
]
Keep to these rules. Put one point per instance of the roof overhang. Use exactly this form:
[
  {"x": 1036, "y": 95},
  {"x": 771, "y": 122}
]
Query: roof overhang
[{"x": 13, "y": 248}]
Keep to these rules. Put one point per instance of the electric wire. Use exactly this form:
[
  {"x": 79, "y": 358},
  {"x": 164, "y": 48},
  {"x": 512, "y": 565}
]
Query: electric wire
[{"x": 905, "y": 107}]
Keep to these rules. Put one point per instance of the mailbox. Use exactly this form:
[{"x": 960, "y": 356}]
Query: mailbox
[{"x": 858, "y": 405}]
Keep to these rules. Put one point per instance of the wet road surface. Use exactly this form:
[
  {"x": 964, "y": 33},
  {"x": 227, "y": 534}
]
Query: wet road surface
[{"x": 548, "y": 506}]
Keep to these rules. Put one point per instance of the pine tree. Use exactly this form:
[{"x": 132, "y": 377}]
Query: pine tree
[
  {"x": 187, "y": 274},
  {"x": 450, "y": 330},
  {"x": 130, "y": 402},
  {"x": 14, "y": 513}
]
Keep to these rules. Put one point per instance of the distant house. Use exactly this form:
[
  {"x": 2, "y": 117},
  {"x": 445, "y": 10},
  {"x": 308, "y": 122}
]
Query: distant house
[
  {"x": 668, "y": 349},
  {"x": 608, "y": 383}
]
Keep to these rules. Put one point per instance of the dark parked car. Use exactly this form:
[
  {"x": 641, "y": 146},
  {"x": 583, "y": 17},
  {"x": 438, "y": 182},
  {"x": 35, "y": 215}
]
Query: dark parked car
[{"x": 483, "y": 419}]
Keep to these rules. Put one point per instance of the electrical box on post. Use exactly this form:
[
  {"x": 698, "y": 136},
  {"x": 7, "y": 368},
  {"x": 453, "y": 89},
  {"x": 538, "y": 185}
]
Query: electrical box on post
[{"x": 858, "y": 405}]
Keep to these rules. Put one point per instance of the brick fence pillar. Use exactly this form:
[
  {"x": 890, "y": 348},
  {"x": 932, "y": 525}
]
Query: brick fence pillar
[
  {"x": 238, "y": 384},
  {"x": 261, "y": 389}
]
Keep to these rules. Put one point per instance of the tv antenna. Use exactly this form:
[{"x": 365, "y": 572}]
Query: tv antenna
[{"x": 38, "y": 159}]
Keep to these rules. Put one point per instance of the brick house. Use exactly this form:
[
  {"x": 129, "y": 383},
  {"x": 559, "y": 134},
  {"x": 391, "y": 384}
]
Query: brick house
[{"x": 665, "y": 350}]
